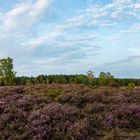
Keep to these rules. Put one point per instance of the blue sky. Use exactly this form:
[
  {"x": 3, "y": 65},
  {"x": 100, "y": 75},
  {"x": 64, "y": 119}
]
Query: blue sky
[{"x": 71, "y": 36}]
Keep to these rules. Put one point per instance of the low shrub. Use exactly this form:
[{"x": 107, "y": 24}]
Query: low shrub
[{"x": 131, "y": 85}]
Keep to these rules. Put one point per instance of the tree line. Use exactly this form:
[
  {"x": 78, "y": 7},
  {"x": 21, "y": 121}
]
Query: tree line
[
  {"x": 76, "y": 79},
  {"x": 8, "y": 78}
]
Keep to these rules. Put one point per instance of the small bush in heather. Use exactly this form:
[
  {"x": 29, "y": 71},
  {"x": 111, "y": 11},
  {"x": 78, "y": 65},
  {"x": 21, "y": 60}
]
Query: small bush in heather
[
  {"x": 52, "y": 94},
  {"x": 131, "y": 85}
]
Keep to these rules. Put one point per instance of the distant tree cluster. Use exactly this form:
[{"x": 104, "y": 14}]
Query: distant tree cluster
[
  {"x": 103, "y": 80},
  {"x": 8, "y": 78}
]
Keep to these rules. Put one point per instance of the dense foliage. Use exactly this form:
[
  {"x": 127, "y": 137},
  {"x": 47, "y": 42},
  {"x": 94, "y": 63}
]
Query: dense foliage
[
  {"x": 68, "y": 112},
  {"x": 102, "y": 80}
]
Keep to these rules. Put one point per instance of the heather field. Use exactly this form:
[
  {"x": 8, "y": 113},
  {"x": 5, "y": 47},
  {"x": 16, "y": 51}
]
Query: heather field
[{"x": 69, "y": 112}]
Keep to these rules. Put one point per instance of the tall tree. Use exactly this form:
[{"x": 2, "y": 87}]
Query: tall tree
[
  {"x": 7, "y": 74},
  {"x": 90, "y": 75}
]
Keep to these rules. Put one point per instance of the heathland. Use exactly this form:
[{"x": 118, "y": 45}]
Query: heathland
[{"x": 69, "y": 112}]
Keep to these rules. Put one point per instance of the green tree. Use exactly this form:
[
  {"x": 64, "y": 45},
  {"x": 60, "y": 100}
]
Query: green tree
[
  {"x": 7, "y": 75},
  {"x": 81, "y": 79},
  {"x": 102, "y": 79}
]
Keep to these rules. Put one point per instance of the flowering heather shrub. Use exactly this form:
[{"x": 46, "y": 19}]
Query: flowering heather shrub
[
  {"x": 134, "y": 98},
  {"x": 93, "y": 97},
  {"x": 18, "y": 90},
  {"x": 124, "y": 117},
  {"x": 75, "y": 112},
  {"x": 119, "y": 98},
  {"x": 134, "y": 120},
  {"x": 13, "y": 123},
  {"x": 98, "y": 97},
  {"x": 52, "y": 121},
  {"x": 114, "y": 122}
]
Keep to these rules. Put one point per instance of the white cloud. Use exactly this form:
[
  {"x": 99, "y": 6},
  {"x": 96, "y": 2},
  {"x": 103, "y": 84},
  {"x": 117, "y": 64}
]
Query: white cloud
[
  {"x": 96, "y": 12},
  {"x": 122, "y": 15},
  {"x": 39, "y": 41},
  {"x": 23, "y": 14},
  {"x": 130, "y": 34},
  {"x": 137, "y": 5}
]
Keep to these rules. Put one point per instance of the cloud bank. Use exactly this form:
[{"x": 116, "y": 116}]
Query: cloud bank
[{"x": 97, "y": 35}]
